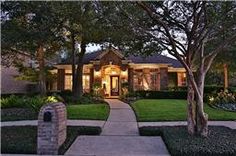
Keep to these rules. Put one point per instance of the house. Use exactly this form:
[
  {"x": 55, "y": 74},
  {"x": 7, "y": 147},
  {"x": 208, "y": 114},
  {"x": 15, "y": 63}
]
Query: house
[{"x": 110, "y": 68}]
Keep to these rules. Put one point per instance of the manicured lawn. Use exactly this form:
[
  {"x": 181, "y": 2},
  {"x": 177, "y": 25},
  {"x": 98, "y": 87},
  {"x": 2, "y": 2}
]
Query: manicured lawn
[
  {"x": 23, "y": 139},
  {"x": 88, "y": 112},
  {"x": 220, "y": 140},
  {"x": 173, "y": 110}
]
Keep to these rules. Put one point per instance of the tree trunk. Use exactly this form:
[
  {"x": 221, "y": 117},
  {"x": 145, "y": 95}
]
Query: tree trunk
[
  {"x": 74, "y": 78},
  {"x": 191, "y": 107},
  {"x": 79, "y": 72},
  {"x": 197, "y": 119},
  {"x": 226, "y": 82},
  {"x": 42, "y": 79},
  {"x": 201, "y": 118}
]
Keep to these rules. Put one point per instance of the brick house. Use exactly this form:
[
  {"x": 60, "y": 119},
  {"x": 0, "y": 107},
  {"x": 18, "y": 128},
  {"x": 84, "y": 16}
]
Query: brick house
[{"x": 110, "y": 68}]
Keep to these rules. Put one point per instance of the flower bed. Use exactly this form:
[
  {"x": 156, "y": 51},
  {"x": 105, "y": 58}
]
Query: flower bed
[{"x": 224, "y": 100}]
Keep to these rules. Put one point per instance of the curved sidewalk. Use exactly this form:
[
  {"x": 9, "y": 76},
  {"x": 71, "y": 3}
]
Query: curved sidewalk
[
  {"x": 119, "y": 137},
  {"x": 121, "y": 120}
]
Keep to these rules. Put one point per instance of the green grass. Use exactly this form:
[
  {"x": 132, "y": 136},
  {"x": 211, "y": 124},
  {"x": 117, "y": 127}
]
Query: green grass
[
  {"x": 23, "y": 139},
  {"x": 220, "y": 140},
  {"x": 88, "y": 112},
  {"x": 173, "y": 110}
]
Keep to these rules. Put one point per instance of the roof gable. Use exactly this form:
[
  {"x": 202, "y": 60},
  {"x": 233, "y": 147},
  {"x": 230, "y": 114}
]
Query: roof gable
[{"x": 110, "y": 50}]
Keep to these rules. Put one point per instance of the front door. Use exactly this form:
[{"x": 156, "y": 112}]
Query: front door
[{"x": 114, "y": 85}]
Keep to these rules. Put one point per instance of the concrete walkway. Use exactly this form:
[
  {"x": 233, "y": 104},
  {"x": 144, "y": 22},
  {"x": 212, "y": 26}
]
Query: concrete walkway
[
  {"x": 119, "y": 137},
  {"x": 121, "y": 121},
  {"x": 230, "y": 124},
  {"x": 98, "y": 123}
]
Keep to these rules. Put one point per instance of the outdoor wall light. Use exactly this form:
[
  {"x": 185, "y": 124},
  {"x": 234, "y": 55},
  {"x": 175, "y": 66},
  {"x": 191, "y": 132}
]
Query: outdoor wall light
[{"x": 97, "y": 73}]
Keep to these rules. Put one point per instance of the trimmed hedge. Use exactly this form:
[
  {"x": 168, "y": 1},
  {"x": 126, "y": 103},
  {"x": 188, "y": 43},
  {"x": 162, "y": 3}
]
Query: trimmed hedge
[
  {"x": 207, "y": 89},
  {"x": 162, "y": 94},
  {"x": 220, "y": 141}
]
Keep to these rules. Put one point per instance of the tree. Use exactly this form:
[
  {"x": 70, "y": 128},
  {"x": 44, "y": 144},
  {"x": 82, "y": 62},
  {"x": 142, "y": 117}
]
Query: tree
[
  {"x": 30, "y": 27},
  {"x": 82, "y": 25},
  {"x": 192, "y": 33},
  {"x": 222, "y": 69}
]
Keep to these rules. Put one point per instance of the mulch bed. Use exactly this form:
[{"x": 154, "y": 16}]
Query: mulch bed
[{"x": 220, "y": 141}]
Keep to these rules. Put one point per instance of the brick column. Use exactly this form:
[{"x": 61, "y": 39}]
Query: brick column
[
  {"x": 60, "y": 79},
  {"x": 163, "y": 78},
  {"x": 131, "y": 78}
]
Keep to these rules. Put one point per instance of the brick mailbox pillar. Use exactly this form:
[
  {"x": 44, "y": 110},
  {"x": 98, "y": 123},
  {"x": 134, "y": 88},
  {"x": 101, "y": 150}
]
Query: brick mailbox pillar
[{"x": 51, "y": 128}]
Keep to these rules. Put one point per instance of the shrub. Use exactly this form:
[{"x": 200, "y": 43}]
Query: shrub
[
  {"x": 13, "y": 102},
  {"x": 223, "y": 97},
  {"x": 34, "y": 103},
  {"x": 162, "y": 94}
]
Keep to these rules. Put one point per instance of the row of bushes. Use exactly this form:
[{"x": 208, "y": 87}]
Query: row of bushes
[
  {"x": 34, "y": 102},
  {"x": 207, "y": 89},
  {"x": 162, "y": 94}
]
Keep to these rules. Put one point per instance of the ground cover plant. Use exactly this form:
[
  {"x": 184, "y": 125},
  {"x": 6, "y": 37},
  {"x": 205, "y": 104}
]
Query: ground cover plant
[
  {"x": 23, "y": 139},
  {"x": 173, "y": 110},
  {"x": 220, "y": 141}
]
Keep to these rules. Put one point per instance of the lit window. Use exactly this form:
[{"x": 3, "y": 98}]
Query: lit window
[
  {"x": 68, "y": 82},
  {"x": 86, "y": 83}
]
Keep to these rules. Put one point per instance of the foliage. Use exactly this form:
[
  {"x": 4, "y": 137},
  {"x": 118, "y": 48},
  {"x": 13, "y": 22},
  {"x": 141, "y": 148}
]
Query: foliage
[
  {"x": 162, "y": 94},
  {"x": 12, "y": 101},
  {"x": 30, "y": 30},
  {"x": 125, "y": 88},
  {"x": 223, "y": 97},
  {"x": 23, "y": 139},
  {"x": 224, "y": 100},
  {"x": 220, "y": 141},
  {"x": 34, "y": 103}
]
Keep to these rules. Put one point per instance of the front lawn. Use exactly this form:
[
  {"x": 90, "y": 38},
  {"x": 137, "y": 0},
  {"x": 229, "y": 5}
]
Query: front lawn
[
  {"x": 23, "y": 139},
  {"x": 220, "y": 141},
  {"x": 173, "y": 110},
  {"x": 88, "y": 112},
  {"x": 79, "y": 112}
]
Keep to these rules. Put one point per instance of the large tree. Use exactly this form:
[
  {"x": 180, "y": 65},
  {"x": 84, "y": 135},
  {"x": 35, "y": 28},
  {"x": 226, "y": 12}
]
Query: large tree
[
  {"x": 82, "y": 25},
  {"x": 30, "y": 27},
  {"x": 191, "y": 32}
]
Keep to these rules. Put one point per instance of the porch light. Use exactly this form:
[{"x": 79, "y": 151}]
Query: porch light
[
  {"x": 124, "y": 73},
  {"x": 113, "y": 72},
  {"x": 97, "y": 73}
]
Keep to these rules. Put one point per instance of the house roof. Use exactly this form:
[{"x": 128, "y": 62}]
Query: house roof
[{"x": 155, "y": 58}]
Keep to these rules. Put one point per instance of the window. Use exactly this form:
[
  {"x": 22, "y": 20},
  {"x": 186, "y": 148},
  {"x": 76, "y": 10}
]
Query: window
[
  {"x": 86, "y": 83},
  {"x": 68, "y": 82}
]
